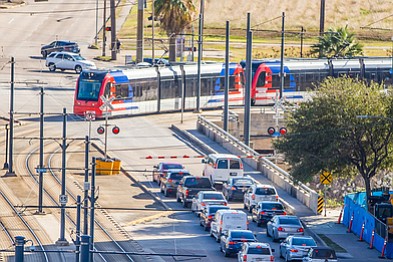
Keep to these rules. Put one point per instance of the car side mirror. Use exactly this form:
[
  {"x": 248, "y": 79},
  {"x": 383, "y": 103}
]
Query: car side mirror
[{"x": 204, "y": 161}]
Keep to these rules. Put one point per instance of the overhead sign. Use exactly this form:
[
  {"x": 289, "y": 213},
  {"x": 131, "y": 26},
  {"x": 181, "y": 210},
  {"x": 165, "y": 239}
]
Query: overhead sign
[{"x": 326, "y": 177}]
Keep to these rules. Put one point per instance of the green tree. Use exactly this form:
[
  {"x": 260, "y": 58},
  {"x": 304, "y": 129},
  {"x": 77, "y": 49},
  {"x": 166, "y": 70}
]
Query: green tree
[
  {"x": 337, "y": 43},
  {"x": 346, "y": 129},
  {"x": 175, "y": 16}
]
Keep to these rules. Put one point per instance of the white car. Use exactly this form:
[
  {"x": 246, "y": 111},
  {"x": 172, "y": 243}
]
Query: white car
[
  {"x": 254, "y": 251},
  {"x": 205, "y": 198},
  {"x": 257, "y": 193},
  {"x": 68, "y": 61}
]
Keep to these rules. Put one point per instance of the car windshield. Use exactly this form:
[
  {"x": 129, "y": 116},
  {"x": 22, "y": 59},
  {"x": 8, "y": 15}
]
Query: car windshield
[
  {"x": 242, "y": 235},
  {"x": 303, "y": 242},
  {"x": 258, "y": 250},
  {"x": 78, "y": 57},
  {"x": 198, "y": 183},
  {"x": 177, "y": 176},
  {"x": 213, "y": 196},
  {"x": 324, "y": 253},
  {"x": 265, "y": 191},
  {"x": 172, "y": 166},
  {"x": 272, "y": 206},
  {"x": 213, "y": 210},
  {"x": 289, "y": 221},
  {"x": 242, "y": 182}
]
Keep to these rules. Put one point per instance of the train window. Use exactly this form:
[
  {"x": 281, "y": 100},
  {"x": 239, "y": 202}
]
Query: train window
[
  {"x": 261, "y": 79},
  {"x": 122, "y": 91},
  {"x": 107, "y": 90}
]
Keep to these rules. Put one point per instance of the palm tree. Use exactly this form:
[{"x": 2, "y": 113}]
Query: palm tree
[
  {"x": 175, "y": 16},
  {"x": 339, "y": 43}
]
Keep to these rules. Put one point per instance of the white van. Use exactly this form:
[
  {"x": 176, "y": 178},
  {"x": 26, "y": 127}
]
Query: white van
[
  {"x": 225, "y": 220},
  {"x": 220, "y": 167}
]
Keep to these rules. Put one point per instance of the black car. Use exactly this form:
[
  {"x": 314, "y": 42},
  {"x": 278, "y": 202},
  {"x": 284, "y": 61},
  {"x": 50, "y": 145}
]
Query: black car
[
  {"x": 265, "y": 210},
  {"x": 232, "y": 241},
  {"x": 235, "y": 187},
  {"x": 60, "y": 45}
]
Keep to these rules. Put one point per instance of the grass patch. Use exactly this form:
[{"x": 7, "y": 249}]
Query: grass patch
[{"x": 332, "y": 244}]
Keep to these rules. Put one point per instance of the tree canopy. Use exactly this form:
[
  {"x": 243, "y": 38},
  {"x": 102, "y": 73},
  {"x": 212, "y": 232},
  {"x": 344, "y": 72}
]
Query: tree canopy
[
  {"x": 337, "y": 43},
  {"x": 346, "y": 129},
  {"x": 175, "y": 16}
]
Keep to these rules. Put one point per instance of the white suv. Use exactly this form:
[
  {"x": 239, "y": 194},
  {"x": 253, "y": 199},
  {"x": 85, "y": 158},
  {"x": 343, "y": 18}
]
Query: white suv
[
  {"x": 254, "y": 251},
  {"x": 68, "y": 61},
  {"x": 257, "y": 193}
]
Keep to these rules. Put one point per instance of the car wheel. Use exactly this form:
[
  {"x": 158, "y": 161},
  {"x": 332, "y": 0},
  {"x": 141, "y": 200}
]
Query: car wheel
[
  {"x": 211, "y": 232},
  {"x": 161, "y": 189},
  {"x": 44, "y": 54},
  {"x": 226, "y": 254},
  {"x": 259, "y": 224},
  {"x": 267, "y": 232},
  {"x": 250, "y": 209},
  {"x": 287, "y": 258},
  {"x": 185, "y": 204},
  {"x": 205, "y": 228},
  {"x": 281, "y": 256},
  {"x": 200, "y": 222},
  {"x": 166, "y": 192},
  {"x": 218, "y": 240},
  {"x": 275, "y": 238},
  {"x": 178, "y": 200},
  {"x": 244, "y": 206},
  {"x": 52, "y": 67},
  {"x": 78, "y": 69}
]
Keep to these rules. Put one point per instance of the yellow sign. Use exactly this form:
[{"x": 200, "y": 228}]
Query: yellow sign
[
  {"x": 320, "y": 205},
  {"x": 326, "y": 178}
]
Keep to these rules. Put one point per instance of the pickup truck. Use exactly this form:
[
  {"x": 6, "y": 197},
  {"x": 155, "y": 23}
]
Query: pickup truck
[{"x": 189, "y": 186}]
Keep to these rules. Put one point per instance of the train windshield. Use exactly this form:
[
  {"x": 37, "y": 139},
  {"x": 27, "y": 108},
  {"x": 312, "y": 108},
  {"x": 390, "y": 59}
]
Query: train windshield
[{"x": 89, "y": 85}]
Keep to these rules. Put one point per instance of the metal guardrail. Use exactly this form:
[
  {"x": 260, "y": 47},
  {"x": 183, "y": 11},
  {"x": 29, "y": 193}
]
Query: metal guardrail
[{"x": 248, "y": 151}]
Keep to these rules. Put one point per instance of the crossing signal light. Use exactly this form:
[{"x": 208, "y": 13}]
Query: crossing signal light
[
  {"x": 115, "y": 130},
  {"x": 108, "y": 28},
  {"x": 271, "y": 131},
  {"x": 283, "y": 131},
  {"x": 100, "y": 130}
]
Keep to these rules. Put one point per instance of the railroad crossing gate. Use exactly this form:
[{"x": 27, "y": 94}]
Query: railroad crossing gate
[
  {"x": 320, "y": 205},
  {"x": 325, "y": 178}
]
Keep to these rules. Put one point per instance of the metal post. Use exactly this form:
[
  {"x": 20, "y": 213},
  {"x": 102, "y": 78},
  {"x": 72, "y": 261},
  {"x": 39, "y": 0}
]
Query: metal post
[
  {"x": 199, "y": 84},
  {"x": 192, "y": 43},
  {"x": 324, "y": 198},
  {"x": 11, "y": 122},
  {"x": 92, "y": 203},
  {"x": 139, "y": 38},
  {"x": 106, "y": 131},
  {"x": 62, "y": 241},
  {"x": 104, "y": 31},
  {"x": 183, "y": 85},
  {"x": 19, "y": 248},
  {"x": 85, "y": 252},
  {"x": 6, "y": 148},
  {"x": 301, "y": 42},
  {"x": 86, "y": 187},
  {"x": 322, "y": 18},
  {"x": 41, "y": 174},
  {"x": 282, "y": 56},
  {"x": 96, "y": 37},
  {"x": 113, "y": 30},
  {"x": 152, "y": 31},
  {"x": 159, "y": 89},
  {"x": 78, "y": 228},
  {"x": 247, "y": 95},
  {"x": 226, "y": 95}
]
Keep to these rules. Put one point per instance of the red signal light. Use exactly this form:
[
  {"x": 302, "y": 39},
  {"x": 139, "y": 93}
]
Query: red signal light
[
  {"x": 108, "y": 28},
  {"x": 283, "y": 131},
  {"x": 115, "y": 130},
  {"x": 271, "y": 131},
  {"x": 100, "y": 130}
]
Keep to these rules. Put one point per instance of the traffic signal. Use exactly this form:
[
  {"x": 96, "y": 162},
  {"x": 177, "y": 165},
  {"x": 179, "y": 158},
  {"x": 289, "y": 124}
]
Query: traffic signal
[
  {"x": 283, "y": 131},
  {"x": 108, "y": 28},
  {"x": 271, "y": 131},
  {"x": 115, "y": 130},
  {"x": 100, "y": 130}
]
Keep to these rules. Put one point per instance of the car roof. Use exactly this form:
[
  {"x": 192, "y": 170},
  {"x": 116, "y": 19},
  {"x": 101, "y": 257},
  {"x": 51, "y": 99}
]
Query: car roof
[
  {"x": 322, "y": 248},
  {"x": 219, "y": 206},
  {"x": 65, "y": 52},
  {"x": 288, "y": 217},
  {"x": 210, "y": 192},
  {"x": 270, "y": 202},
  {"x": 223, "y": 156},
  {"x": 178, "y": 171},
  {"x": 170, "y": 163},
  {"x": 264, "y": 186},
  {"x": 232, "y": 211},
  {"x": 240, "y": 230}
]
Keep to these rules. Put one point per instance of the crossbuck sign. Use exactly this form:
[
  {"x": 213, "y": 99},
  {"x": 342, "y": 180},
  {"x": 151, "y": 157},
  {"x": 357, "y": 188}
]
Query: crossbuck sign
[{"x": 107, "y": 103}]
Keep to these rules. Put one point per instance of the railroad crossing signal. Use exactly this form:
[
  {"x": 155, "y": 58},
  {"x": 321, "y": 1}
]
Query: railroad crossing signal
[
  {"x": 107, "y": 103},
  {"x": 326, "y": 178}
]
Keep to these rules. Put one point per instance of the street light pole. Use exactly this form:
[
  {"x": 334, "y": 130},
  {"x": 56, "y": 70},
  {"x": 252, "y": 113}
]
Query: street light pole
[{"x": 6, "y": 148}]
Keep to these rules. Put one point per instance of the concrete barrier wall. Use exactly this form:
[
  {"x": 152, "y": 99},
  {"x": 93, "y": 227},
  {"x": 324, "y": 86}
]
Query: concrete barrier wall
[{"x": 278, "y": 176}]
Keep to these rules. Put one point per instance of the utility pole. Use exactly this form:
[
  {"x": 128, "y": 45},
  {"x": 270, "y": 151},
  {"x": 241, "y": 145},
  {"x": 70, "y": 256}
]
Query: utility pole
[
  {"x": 282, "y": 56},
  {"x": 322, "y": 18},
  {"x": 152, "y": 31},
  {"x": 11, "y": 122},
  {"x": 92, "y": 204},
  {"x": 113, "y": 30},
  {"x": 104, "y": 31},
  {"x": 86, "y": 187},
  {"x": 301, "y": 41},
  {"x": 139, "y": 38},
  {"x": 226, "y": 94},
  {"x": 200, "y": 47},
  {"x": 41, "y": 164},
  {"x": 247, "y": 93}
]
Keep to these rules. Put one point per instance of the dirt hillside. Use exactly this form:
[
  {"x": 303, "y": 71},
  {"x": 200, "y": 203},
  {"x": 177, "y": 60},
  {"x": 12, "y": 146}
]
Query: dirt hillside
[{"x": 365, "y": 17}]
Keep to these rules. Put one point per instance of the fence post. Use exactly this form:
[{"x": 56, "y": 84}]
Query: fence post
[
  {"x": 19, "y": 247},
  {"x": 85, "y": 245}
]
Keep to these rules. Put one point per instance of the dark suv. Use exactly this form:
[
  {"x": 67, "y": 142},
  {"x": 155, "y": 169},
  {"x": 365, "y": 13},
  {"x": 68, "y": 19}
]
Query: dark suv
[
  {"x": 189, "y": 186},
  {"x": 169, "y": 181},
  {"x": 59, "y": 45}
]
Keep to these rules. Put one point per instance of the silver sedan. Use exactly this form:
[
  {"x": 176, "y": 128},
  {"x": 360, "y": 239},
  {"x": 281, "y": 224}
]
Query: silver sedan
[
  {"x": 280, "y": 227},
  {"x": 296, "y": 247}
]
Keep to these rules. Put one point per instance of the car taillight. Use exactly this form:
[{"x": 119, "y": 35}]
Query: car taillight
[
  {"x": 244, "y": 257},
  {"x": 231, "y": 242},
  {"x": 215, "y": 166},
  {"x": 300, "y": 230},
  {"x": 281, "y": 229},
  {"x": 203, "y": 204},
  {"x": 284, "y": 213},
  {"x": 262, "y": 212},
  {"x": 293, "y": 250},
  {"x": 271, "y": 258},
  {"x": 277, "y": 198},
  {"x": 187, "y": 192},
  {"x": 233, "y": 188},
  {"x": 253, "y": 196},
  {"x": 210, "y": 217},
  {"x": 170, "y": 180},
  {"x": 241, "y": 165},
  {"x": 224, "y": 203}
]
